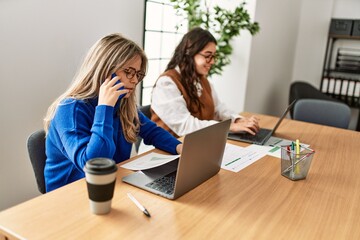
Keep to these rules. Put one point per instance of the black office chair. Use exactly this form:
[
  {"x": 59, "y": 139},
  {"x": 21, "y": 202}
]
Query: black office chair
[
  {"x": 330, "y": 113},
  {"x": 146, "y": 111},
  {"x": 303, "y": 90},
  {"x": 36, "y": 150}
]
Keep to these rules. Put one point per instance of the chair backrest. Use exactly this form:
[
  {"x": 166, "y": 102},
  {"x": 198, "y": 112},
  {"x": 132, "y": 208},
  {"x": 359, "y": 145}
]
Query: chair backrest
[
  {"x": 323, "y": 112},
  {"x": 146, "y": 111},
  {"x": 303, "y": 90},
  {"x": 36, "y": 150}
]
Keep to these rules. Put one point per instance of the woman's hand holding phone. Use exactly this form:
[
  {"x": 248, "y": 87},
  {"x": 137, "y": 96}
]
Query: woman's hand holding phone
[
  {"x": 118, "y": 81},
  {"x": 111, "y": 91}
]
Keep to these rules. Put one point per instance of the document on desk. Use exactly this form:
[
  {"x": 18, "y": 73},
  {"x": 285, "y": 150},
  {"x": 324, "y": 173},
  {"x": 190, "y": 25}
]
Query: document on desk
[
  {"x": 273, "y": 146},
  {"x": 236, "y": 158},
  {"x": 150, "y": 160}
]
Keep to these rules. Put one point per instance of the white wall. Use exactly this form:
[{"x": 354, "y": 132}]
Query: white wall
[
  {"x": 291, "y": 46},
  {"x": 272, "y": 56},
  {"x": 231, "y": 85},
  {"x": 346, "y": 9},
  {"x": 311, "y": 41},
  {"x": 41, "y": 45}
]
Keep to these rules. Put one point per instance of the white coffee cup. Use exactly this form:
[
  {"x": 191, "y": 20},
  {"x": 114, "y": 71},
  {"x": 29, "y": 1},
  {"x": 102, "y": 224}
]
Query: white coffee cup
[{"x": 100, "y": 174}]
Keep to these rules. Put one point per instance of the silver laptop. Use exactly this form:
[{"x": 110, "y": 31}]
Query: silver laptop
[
  {"x": 263, "y": 135},
  {"x": 201, "y": 158}
]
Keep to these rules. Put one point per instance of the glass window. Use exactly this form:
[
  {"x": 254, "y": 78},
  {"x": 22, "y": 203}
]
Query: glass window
[
  {"x": 152, "y": 44},
  {"x": 153, "y": 18},
  {"x": 160, "y": 39}
]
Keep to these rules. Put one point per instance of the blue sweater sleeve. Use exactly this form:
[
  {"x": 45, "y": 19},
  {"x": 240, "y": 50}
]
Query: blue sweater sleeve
[
  {"x": 85, "y": 133},
  {"x": 157, "y": 136}
]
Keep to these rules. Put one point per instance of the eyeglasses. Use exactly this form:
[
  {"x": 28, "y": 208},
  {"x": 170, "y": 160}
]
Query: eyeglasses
[
  {"x": 130, "y": 72},
  {"x": 210, "y": 57}
]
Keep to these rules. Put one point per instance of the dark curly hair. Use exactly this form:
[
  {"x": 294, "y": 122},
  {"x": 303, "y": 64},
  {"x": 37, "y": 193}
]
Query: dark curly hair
[{"x": 191, "y": 44}]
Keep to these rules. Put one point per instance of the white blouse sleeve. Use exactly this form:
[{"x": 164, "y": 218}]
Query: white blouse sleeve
[
  {"x": 221, "y": 111},
  {"x": 169, "y": 104}
]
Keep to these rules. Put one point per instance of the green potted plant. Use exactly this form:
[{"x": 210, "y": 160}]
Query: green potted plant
[{"x": 224, "y": 24}]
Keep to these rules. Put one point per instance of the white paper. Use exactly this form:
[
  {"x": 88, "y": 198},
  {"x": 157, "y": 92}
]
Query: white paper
[
  {"x": 260, "y": 148},
  {"x": 236, "y": 158},
  {"x": 274, "y": 146},
  {"x": 275, "y": 141},
  {"x": 150, "y": 160}
]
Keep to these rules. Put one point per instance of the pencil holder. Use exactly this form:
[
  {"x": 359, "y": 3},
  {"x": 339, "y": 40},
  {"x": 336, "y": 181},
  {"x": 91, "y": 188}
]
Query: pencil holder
[{"x": 295, "y": 166}]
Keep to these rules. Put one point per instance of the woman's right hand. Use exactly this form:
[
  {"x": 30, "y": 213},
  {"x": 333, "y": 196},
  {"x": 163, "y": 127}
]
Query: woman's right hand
[
  {"x": 109, "y": 91},
  {"x": 250, "y": 125}
]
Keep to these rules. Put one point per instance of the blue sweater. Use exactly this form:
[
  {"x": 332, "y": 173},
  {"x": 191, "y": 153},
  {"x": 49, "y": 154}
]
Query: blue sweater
[{"x": 81, "y": 130}]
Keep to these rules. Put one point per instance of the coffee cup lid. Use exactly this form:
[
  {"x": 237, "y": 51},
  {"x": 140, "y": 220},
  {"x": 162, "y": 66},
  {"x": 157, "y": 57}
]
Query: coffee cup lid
[{"x": 101, "y": 166}]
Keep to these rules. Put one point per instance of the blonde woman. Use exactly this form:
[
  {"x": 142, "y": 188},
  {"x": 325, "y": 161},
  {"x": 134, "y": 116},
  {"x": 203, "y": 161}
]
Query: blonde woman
[{"x": 97, "y": 115}]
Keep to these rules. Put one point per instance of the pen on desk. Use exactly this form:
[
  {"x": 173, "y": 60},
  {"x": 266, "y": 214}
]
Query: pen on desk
[
  {"x": 141, "y": 207},
  {"x": 289, "y": 153},
  {"x": 297, "y": 166},
  {"x": 300, "y": 160},
  {"x": 297, "y": 146}
]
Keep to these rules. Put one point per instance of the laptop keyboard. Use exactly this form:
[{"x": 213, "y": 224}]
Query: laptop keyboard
[
  {"x": 164, "y": 184},
  {"x": 255, "y": 138}
]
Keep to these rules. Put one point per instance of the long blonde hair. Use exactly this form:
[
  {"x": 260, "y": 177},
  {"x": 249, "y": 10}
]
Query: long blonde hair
[{"x": 105, "y": 57}]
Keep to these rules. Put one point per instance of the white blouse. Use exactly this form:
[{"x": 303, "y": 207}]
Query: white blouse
[{"x": 169, "y": 104}]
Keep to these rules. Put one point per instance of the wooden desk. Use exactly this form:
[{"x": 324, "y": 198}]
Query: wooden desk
[{"x": 255, "y": 203}]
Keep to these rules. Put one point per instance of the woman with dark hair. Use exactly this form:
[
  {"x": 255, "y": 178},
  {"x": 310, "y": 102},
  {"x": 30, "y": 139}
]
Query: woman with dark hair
[{"x": 183, "y": 100}]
